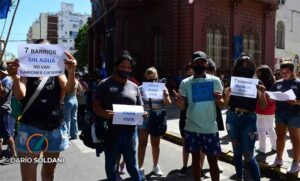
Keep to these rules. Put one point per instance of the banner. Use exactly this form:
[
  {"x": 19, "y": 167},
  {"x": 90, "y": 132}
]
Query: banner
[
  {"x": 39, "y": 60},
  {"x": 4, "y": 7}
]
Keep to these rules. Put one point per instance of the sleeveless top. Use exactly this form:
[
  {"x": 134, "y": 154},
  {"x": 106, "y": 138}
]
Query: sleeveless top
[{"x": 43, "y": 112}]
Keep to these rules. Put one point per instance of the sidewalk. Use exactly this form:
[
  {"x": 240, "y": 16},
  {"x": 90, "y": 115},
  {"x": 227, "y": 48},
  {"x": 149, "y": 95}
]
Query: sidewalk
[{"x": 174, "y": 136}]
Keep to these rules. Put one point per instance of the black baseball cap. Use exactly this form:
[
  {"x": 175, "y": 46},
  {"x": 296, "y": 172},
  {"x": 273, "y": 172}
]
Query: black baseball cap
[{"x": 199, "y": 55}]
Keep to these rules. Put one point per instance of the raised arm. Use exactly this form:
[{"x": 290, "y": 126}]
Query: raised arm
[{"x": 19, "y": 83}]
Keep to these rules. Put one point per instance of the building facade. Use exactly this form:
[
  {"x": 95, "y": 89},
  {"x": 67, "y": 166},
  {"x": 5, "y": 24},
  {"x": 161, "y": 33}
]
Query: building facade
[
  {"x": 61, "y": 27},
  {"x": 44, "y": 28},
  {"x": 288, "y": 32},
  {"x": 69, "y": 25},
  {"x": 164, "y": 33}
]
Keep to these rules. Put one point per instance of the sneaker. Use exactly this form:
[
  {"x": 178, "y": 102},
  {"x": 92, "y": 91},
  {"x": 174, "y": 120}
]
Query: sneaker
[
  {"x": 276, "y": 163},
  {"x": 294, "y": 168},
  {"x": 157, "y": 171},
  {"x": 142, "y": 175},
  {"x": 9, "y": 160},
  {"x": 182, "y": 171}
]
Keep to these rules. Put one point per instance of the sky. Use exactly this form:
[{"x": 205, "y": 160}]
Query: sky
[{"x": 28, "y": 11}]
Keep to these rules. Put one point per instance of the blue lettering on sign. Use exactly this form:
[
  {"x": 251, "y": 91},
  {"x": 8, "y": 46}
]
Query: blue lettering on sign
[
  {"x": 128, "y": 116},
  {"x": 32, "y": 59},
  {"x": 202, "y": 91},
  {"x": 47, "y": 60}
]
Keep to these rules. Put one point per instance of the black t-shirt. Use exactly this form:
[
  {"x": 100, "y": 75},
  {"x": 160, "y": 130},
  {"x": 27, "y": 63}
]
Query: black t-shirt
[
  {"x": 41, "y": 112},
  {"x": 285, "y": 85},
  {"x": 110, "y": 92}
]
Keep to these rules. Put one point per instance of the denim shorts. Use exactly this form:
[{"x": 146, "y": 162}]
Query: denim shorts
[
  {"x": 241, "y": 127},
  {"x": 208, "y": 143},
  {"x": 33, "y": 140},
  {"x": 7, "y": 125},
  {"x": 145, "y": 124},
  {"x": 289, "y": 119}
]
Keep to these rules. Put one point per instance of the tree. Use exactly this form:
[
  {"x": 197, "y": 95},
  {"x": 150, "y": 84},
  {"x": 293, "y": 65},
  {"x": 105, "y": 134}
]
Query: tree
[{"x": 81, "y": 45}]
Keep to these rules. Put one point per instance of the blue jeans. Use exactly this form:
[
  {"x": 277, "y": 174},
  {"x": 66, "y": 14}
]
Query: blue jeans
[
  {"x": 127, "y": 146},
  {"x": 242, "y": 130},
  {"x": 70, "y": 115}
]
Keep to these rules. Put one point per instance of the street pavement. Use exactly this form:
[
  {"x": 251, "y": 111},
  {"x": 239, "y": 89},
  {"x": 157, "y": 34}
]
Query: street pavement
[
  {"x": 173, "y": 135},
  {"x": 81, "y": 164}
]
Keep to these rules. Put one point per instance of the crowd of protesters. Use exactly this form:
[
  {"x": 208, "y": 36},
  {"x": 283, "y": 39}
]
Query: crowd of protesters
[{"x": 199, "y": 94}]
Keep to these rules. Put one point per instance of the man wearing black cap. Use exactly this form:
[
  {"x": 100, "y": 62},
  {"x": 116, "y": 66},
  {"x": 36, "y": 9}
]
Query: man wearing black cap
[
  {"x": 201, "y": 92},
  {"x": 7, "y": 122}
]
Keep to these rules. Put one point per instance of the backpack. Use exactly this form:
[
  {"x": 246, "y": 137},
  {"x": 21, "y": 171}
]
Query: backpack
[{"x": 157, "y": 123}]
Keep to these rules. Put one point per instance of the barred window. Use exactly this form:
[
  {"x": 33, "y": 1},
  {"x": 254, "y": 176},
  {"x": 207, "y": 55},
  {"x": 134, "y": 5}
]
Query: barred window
[
  {"x": 216, "y": 45},
  {"x": 252, "y": 45},
  {"x": 280, "y": 35}
]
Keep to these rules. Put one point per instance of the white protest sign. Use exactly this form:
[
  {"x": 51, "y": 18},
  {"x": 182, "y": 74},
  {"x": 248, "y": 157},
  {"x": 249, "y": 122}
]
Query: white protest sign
[
  {"x": 40, "y": 60},
  {"x": 153, "y": 90},
  {"x": 243, "y": 87},
  {"x": 282, "y": 96},
  {"x": 128, "y": 114}
]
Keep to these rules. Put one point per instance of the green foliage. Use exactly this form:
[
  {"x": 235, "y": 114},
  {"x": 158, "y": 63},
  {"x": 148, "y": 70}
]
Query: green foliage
[{"x": 81, "y": 45}]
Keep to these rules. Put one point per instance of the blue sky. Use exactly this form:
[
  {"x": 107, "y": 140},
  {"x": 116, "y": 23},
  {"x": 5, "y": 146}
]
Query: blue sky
[{"x": 29, "y": 11}]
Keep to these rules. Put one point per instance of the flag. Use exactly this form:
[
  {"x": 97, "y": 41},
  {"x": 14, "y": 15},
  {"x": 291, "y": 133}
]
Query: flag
[
  {"x": 4, "y": 7},
  {"x": 103, "y": 69}
]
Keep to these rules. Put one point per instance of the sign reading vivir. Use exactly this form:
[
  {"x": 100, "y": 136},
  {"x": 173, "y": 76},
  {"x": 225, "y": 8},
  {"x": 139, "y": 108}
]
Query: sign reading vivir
[
  {"x": 40, "y": 60},
  {"x": 244, "y": 87},
  {"x": 128, "y": 114}
]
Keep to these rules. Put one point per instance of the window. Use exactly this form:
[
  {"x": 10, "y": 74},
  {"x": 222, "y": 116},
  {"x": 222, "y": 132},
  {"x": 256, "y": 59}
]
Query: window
[
  {"x": 157, "y": 49},
  {"x": 75, "y": 26},
  {"x": 281, "y": 2},
  {"x": 280, "y": 35},
  {"x": 251, "y": 45},
  {"x": 65, "y": 41},
  {"x": 216, "y": 45}
]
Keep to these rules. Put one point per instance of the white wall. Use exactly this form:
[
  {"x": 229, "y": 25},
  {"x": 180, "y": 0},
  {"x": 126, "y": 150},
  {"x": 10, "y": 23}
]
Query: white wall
[{"x": 289, "y": 14}]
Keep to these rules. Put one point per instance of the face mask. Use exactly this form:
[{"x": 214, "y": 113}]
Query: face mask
[
  {"x": 123, "y": 74},
  {"x": 150, "y": 80},
  {"x": 199, "y": 69},
  {"x": 245, "y": 72}
]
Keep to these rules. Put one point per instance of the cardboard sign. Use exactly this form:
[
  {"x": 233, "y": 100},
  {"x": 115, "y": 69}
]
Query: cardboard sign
[
  {"x": 153, "y": 90},
  {"x": 128, "y": 114},
  {"x": 202, "y": 91},
  {"x": 41, "y": 60},
  {"x": 243, "y": 87}
]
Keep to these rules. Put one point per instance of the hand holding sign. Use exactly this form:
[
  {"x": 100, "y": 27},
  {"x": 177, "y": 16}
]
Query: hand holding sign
[
  {"x": 70, "y": 63},
  {"x": 12, "y": 68}
]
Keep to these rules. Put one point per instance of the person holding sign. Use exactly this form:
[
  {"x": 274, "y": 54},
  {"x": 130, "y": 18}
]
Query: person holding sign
[
  {"x": 266, "y": 117},
  {"x": 241, "y": 118},
  {"x": 287, "y": 116},
  {"x": 120, "y": 139},
  {"x": 42, "y": 117},
  {"x": 201, "y": 93},
  {"x": 154, "y": 103}
]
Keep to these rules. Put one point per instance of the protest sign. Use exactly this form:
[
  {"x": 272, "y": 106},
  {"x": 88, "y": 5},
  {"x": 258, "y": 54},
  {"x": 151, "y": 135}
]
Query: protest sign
[
  {"x": 153, "y": 90},
  {"x": 202, "y": 91},
  {"x": 128, "y": 114},
  {"x": 282, "y": 96},
  {"x": 39, "y": 60},
  {"x": 243, "y": 87}
]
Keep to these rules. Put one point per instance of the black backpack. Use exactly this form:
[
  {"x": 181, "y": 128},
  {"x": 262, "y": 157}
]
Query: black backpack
[{"x": 86, "y": 135}]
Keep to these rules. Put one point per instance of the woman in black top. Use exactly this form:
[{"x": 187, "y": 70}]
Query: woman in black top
[
  {"x": 241, "y": 119},
  {"x": 41, "y": 128}
]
